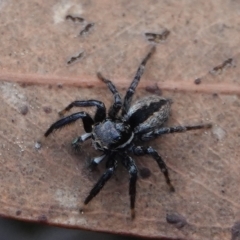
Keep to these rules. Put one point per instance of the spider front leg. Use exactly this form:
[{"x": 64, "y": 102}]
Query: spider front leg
[
  {"x": 114, "y": 109},
  {"x": 131, "y": 89},
  {"x": 140, "y": 151},
  {"x": 165, "y": 130},
  {"x": 100, "y": 113},
  {"x": 87, "y": 122},
  {"x": 129, "y": 164}
]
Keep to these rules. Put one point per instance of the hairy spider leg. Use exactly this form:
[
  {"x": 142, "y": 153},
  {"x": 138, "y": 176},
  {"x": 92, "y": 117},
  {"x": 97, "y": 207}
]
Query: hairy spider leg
[
  {"x": 102, "y": 181},
  {"x": 87, "y": 122},
  {"x": 165, "y": 130},
  {"x": 132, "y": 87},
  {"x": 114, "y": 109},
  {"x": 140, "y": 151},
  {"x": 77, "y": 141},
  {"x": 100, "y": 113},
  {"x": 129, "y": 164}
]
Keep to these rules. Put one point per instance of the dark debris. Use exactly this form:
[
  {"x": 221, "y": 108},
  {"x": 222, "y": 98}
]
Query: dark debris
[
  {"x": 157, "y": 37},
  {"x": 218, "y": 69},
  {"x": 24, "y": 110},
  {"x": 86, "y": 29},
  {"x": 197, "y": 81},
  {"x": 75, "y": 19},
  {"x": 75, "y": 58},
  {"x": 176, "y": 219}
]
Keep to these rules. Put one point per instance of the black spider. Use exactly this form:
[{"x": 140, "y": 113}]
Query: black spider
[{"x": 116, "y": 135}]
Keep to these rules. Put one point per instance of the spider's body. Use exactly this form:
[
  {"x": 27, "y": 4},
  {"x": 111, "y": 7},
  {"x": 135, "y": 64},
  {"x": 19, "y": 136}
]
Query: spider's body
[
  {"x": 116, "y": 135},
  {"x": 111, "y": 135},
  {"x": 146, "y": 114}
]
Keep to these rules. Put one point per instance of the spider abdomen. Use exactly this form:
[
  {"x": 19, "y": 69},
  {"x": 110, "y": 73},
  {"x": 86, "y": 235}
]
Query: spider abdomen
[{"x": 148, "y": 113}]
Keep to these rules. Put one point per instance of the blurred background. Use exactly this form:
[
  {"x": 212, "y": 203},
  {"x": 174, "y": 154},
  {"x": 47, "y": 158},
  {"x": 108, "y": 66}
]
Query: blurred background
[{"x": 13, "y": 229}]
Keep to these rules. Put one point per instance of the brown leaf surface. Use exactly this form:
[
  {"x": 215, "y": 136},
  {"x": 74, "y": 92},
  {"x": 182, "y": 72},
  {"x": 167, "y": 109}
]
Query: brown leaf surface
[{"x": 55, "y": 64}]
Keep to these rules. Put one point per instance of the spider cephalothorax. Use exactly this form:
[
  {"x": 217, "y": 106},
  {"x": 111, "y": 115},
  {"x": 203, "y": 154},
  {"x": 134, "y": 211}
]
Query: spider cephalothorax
[{"x": 116, "y": 134}]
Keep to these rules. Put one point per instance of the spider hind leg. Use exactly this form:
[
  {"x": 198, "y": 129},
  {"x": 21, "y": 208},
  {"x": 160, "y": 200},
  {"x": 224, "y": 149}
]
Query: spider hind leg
[
  {"x": 165, "y": 130},
  {"x": 140, "y": 151},
  {"x": 129, "y": 164}
]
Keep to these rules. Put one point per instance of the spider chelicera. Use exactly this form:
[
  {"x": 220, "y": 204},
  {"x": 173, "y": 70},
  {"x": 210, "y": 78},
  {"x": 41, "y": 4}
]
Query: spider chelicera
[{"x": 117, "y": 135}]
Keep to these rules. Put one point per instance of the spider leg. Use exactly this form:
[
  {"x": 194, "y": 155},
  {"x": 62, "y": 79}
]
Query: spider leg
[
  {"x": 114, "y": 109},
  {"x": 87, "y": 122},
  {"x": 165, "y": 130},
  {"x": 129, "y": 164},
  {"x": 95, "y": 161},
  {"x": 132, "y": 87},
  {"x": 140, "y": 151},
  {"x": 76, "y": 143},
  {"x": 103, "y": 179},
  {"x": 100, "y": 113}
]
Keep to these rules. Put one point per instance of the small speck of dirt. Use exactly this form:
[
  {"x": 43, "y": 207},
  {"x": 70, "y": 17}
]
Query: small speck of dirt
[
  {"x": 18, "y": 212},
  {"x": 38, "y": 145},
  {"x": 154, "y": 89},
  {"x": 144, "y": 172},
  {"x": 176, "y": 219},
  {"x": 197, "y": 81},
  {"x": 24, "y": 110},
  {"x": 47, "y": 109},
  {"x": 81, "y": 211}
]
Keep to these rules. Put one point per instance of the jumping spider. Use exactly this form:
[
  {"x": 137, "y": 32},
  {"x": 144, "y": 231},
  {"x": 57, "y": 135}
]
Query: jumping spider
[{"x": 116, "y": 135}]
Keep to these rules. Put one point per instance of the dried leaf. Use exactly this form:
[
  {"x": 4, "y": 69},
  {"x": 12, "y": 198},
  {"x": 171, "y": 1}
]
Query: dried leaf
[{"x": 49, "y": 183}]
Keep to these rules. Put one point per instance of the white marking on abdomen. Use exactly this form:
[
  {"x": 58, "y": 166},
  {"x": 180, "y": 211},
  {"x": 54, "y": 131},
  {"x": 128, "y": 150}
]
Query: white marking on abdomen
[{"x": 126, "y": 143}]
